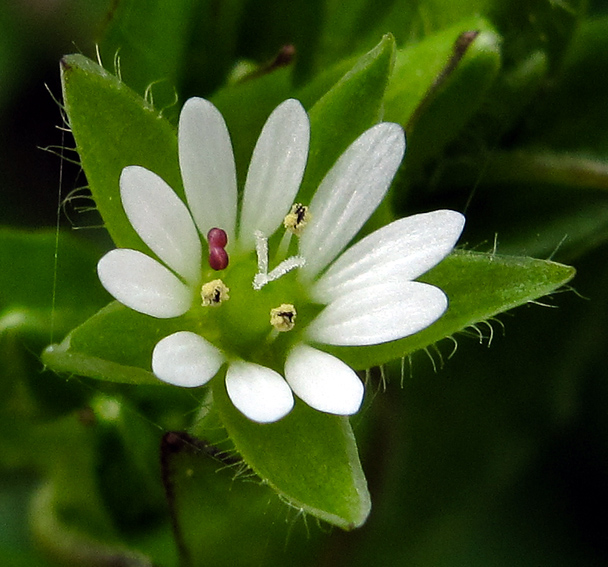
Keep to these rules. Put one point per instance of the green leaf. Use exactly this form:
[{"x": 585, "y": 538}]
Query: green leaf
[
  {"x": 269, "y": 25},
  {"x": 536, "y": 25},
  {"x": 148, "y": 41},
  {"x": 511, "y": 210},
  {"x": 479, "y": 286},
  {"x": 451, "y": 101},
  {"x": 69, "y": 520},
  {"x": 508, "y": 98},
  {"x": 127, "y": 468},
  {"x": 355, "y": 27},
  {"x": 65, "y": 536},
  {"x": 207, "y": 496},
  {"x": 213, "y": 46},
  {"x": 572, "y": 114},
  {"x": 418, "y": 66},
  {"x": 561, "y": 152},
  {"x": 51, "y": 286},
  {"x": 245, "y": 107},
  {"x": 115, "y": 344},
  {"x": 51, "y": 283},
  {"x": 113, "y": 128},
  {"x": 349, "y": 108},
  {"x": 310, "y": 458}
]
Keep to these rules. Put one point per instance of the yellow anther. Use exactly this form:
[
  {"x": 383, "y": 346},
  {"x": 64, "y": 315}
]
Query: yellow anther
[
  {"x": 283, "y": 317},
  {"x": 214, "y": 293},
  {"x": 297, "y": 219}
]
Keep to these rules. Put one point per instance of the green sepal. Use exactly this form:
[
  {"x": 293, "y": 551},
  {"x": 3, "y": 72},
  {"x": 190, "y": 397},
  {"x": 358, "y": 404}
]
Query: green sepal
[
  {"x": 246, "y": 106},
  {"x": 209, "y": 493},
  {"x": 51, "y": 285},
  {"x": 478, "y": 286},
  {"x": 310, "y": 458},
  {"x": 451, "y": 102},
  {"x": 148, "y": 40},
  {"x": 113, "y": 128},
  {"x": 349, "y": 108},
  {"x": 115, "y": 344},
  {"x": 537, "y": 25},
  {"x": 69, "y": 520},
  {"x": 418, "y": 66}
]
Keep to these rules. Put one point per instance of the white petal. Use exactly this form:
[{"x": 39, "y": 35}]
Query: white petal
[
  {"x": 349, "y": 194},
  {"x": 162, "y": 220},
  {"x": 400, "y": 251},
  {"x": 323, "y": 381},
  {"x": 141, "y": 283},
  {"x": 275, "y": 171},
  {"x": 207, "y": 164},
  {"x": 186, "y": 359},
  {"x": 378, "y": 314},
  {"x": 258, "y": 392}
]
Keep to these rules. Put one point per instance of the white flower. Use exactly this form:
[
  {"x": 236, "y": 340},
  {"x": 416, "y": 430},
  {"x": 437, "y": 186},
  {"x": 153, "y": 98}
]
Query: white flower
[{"x": 363, "y": 296}]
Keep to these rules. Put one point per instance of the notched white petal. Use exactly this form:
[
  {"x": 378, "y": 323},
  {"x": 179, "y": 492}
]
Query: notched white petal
[
  {"x": 349, "y": 194},
  {"x": 378, "y": 314},
  {"x": 141, "y": 283},
  {"x": 162, "y": 221},
  {"x": 323, "y": 381},
  {"x": 207, "y": 164},
  {"x": 258, "y": 392},
  {"x": 400, "y": 251},
  {"x": 275, "y": 172},
  {"x": 186, "y": 359}
]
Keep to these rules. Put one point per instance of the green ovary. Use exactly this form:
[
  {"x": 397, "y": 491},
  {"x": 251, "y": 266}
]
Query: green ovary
[{"x": 243, "y": 321}]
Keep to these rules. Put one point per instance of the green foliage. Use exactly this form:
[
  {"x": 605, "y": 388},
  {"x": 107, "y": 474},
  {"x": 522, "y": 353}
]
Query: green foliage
[
  {"x": 310, "y": 458},
  {"x": 207, "y": 494},
  {"x": 503, "y": 104},
  {"x": 345, "y": 111},
  {"x": 148, "y": 46},
  {"x": 116, "y": 344},
  {"x": 113, "y": 128},
  {"x": 479, "y": 287}
]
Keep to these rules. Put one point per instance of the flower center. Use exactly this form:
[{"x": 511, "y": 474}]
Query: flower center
[{"x": 255, "y": 304}]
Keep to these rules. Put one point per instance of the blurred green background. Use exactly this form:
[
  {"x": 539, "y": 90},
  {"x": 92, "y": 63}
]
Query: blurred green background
[{"x": 497, "y": 455}]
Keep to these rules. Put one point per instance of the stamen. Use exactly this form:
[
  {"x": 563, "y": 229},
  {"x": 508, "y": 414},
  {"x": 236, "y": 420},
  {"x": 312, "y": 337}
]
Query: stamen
[
  {"x": 213, "y": 293},
  {"x": 283, "y": 317},
  {"x": 297, "y": 219}
]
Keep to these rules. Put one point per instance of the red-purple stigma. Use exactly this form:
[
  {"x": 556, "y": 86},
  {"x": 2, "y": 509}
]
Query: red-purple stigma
[
  {"x": 217, "y": 238},
  {"x": 218, "y": 257}
]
